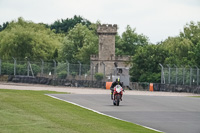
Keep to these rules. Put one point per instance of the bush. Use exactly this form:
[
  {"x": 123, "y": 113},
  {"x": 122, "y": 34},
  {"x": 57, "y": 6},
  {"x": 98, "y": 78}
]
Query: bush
[
  {"x": 36, "y": 69},
  {"x": 7, "y": 69},
  {"x": 73, "y": 74},
  {"x": 21, "y": 69},
  {"x": 98, "y": 76},
  {"x": 62, "y": 74}
]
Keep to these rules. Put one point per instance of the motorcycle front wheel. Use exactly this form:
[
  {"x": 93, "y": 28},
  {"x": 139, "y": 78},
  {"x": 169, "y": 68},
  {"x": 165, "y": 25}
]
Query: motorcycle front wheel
[
  {"x": 114, "y": 103},
  {"x": 118, "y": 100}
]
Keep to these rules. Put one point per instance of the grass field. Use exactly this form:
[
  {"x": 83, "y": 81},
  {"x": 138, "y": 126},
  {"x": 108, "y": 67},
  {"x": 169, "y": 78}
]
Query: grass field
[{"x": 34, "y": 112}]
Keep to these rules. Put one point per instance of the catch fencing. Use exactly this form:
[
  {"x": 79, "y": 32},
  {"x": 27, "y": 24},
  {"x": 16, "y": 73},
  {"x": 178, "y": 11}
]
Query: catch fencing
[
  {"x": 179, "y": 79},
  {"x": 49, "y": 69},
  {"x": 180, "y": 75},
  {"x": 173, "y": 78}
]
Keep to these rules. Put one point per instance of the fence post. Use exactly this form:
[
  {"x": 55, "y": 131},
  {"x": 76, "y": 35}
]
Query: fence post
[
  {"x": 79, "y": 68},
  {"x": 162, "y": 74},
  {"x": 28, "y": 68},
  {"x": 176, "y": 73},
  {"x": 0, "y": 66},
  {"x": 183, "y": 75},
  {"x": 67, "y": 68},
  {"x": 42, "y": 67},
  {"x": 14, "y": 66},
  {"x": 54, "y": 67},
  {"x": 197, "y": 75},
  {"x": 29, "y": 65},
  {"x": 190, "y": 76},
  {"x": 169, "y": 76}
]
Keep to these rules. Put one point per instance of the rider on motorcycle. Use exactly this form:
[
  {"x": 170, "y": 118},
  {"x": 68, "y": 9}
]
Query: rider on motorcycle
[{"x": 117, "y": 82}]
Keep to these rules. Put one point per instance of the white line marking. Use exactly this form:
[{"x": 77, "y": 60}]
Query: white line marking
[{"x": 102, "y": 113}]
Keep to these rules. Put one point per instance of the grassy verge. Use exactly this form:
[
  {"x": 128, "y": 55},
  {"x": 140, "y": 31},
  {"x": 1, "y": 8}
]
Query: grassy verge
[
  {"x": 34, "y": 112},
  {"x": 195, "y": 96}
]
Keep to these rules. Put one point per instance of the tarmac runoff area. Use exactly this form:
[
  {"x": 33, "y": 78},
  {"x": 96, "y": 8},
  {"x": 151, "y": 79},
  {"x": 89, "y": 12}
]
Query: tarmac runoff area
[
  {"x": 160, "y": 111},
  {"x": 79, "y": 90}
]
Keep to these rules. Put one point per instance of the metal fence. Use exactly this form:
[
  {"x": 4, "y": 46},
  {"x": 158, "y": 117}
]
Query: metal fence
[
  {"x": 180, "y": 75},
  {"x": 51, "y": 69}
]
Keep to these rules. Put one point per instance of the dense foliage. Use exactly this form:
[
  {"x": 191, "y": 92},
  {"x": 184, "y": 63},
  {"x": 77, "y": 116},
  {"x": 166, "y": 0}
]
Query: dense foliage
[
  {"x": 24, "y": 39},
  {"x": 145, "y": 63},
  {"x": 129, "y": 42},
  {"x": 3, "y": 26},
  {"x": 75, "y": 39},
  {"x": 64, "y": 25},
  {"x": 79, "y": 44}
]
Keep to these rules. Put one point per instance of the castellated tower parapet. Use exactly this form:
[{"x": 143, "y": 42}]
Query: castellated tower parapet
[{"x": 107, "y": 29}]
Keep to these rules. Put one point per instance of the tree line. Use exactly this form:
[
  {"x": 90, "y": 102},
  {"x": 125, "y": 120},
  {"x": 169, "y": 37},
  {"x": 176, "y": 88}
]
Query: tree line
[{"x": 75, "y": 39}]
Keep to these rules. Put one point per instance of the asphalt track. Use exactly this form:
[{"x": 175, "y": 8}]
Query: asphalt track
[{"x": 169, "y": 114}]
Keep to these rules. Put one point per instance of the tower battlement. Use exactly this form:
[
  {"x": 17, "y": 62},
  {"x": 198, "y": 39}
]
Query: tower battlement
[
  {"x": 122, "y": 58},
  {"x": 107, "y": 29}
]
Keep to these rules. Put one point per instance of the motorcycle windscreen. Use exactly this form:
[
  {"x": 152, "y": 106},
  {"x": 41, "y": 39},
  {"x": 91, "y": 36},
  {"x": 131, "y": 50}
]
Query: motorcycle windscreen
[{"x": 118, "y": 88}]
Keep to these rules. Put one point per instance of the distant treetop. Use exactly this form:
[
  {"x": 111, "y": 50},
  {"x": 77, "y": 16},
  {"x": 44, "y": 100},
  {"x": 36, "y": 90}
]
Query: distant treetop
[{"x": 64, "y": 25}]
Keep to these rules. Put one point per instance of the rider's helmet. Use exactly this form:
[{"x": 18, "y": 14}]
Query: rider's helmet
[{"x": 118, "y": 80}]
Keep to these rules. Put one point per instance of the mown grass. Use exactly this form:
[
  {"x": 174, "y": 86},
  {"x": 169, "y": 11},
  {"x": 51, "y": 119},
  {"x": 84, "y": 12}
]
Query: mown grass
[{"x": 34, "y": 112}]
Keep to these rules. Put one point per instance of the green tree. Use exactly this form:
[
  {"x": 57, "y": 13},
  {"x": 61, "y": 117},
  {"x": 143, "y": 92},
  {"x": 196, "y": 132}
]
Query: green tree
[
  {"x": 64, "y": 25},
  {"x": 129, "y": 42},
  {"x": 118, "y": 45},
  {"x": 3, "y": 26},
  {"x": 26, "y": 39},
  {"x": 191, "y": 31},
  {"x": 79, "y": 44},
  {"x": 196, "y": 54},
  {"x": 145, "y": 63},
  {"x": 180, "y": 51}
]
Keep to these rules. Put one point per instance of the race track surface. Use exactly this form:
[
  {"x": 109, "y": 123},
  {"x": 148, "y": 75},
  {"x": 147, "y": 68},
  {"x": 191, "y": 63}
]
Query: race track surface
[{"x": 169, "y": 114}]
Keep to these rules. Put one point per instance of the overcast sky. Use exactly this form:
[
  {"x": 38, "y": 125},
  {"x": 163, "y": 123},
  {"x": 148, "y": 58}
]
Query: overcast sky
[{"x": 157, "y": 19}]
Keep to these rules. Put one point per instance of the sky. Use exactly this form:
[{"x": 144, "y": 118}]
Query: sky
[{"x": 156, "y": 19}]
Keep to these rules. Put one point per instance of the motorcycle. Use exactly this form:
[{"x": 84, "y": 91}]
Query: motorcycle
[{"x": 118, "y": 92}]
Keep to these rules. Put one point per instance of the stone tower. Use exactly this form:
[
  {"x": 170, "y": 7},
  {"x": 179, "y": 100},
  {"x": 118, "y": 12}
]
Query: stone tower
[
  {"x": 107, "y": 41},
  {"x": 106, "y": 60}
]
